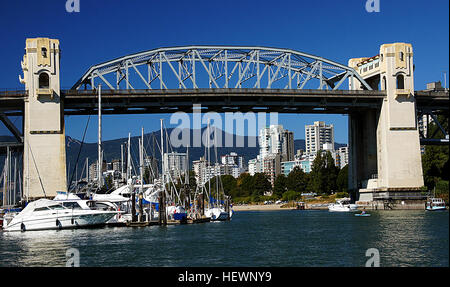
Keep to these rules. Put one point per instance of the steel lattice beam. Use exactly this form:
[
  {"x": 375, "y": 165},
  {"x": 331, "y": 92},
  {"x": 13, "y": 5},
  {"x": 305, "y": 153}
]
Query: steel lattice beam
[{"x": 194, "y": 67}]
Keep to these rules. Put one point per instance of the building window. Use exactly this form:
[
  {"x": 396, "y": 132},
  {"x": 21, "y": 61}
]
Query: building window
[
  {"x": 383, "y": 83},
  {"x": 400, "y": 82},
  {"x": 44, "y": 52},
  {"x": 44, "y": 81},
  {"x": 402, "y": 56}
]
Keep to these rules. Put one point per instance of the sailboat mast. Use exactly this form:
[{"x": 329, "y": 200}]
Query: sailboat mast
[
  {"x": 87, "y": 170},
  {"x": 209, "y": 165},
  {"x": 121, "y": 161},
  {"x": 162, "y": 156},
  {"x": 129, "y": 157},
  {"x": 216, "y": 166},
  {"x": 99, "y": 164},
  {"x": 141, "y": 158}
]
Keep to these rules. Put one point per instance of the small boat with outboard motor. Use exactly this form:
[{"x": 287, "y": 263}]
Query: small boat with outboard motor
[{"x": 363, "y": 214}]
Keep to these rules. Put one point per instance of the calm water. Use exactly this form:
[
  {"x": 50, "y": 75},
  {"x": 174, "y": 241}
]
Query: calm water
[{"x": 253, "y": 238}]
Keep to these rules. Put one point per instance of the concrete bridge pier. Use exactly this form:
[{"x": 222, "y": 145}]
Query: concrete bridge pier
[
  {"x": 392, "y": 130},
  {"x": 362, "y": 150},
  {"x": 44, "y": 168}
]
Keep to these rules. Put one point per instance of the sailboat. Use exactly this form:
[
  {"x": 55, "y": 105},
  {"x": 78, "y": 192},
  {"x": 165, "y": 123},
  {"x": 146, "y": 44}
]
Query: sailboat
[{"x": 215, "y": 210}]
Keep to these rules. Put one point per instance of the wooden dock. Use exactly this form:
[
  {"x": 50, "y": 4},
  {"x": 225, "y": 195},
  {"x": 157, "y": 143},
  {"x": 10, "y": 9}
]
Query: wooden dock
[
  {"x": 199, "y": 220},
  {"x": 155, "y": 222},
  {"x": 142, "y": 224}
]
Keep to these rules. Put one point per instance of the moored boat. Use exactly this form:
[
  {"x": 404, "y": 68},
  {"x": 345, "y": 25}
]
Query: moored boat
[
  {"x": 217, "y": 214},
  {"x": 342, "y": 205},
  {"x": 44, "y": 214},
  {"x": 434, "y": 204}
]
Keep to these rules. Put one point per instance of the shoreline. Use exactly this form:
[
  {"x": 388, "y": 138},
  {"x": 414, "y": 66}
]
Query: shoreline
[{"x": 260, "y": 207}]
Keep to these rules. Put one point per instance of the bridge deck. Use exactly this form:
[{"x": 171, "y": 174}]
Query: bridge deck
[{"x": 83, "y": 102}]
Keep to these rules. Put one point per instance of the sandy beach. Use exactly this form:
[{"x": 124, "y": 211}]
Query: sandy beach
[{"x": 248, "y": 207}]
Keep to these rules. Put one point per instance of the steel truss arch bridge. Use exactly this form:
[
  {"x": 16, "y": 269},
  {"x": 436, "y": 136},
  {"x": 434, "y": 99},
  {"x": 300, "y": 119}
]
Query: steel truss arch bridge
[{"x": 218, "y": 67}]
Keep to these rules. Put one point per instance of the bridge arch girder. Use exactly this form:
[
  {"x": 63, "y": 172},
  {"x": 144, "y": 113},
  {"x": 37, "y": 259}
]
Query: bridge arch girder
[{"x": 192, "y": 67}]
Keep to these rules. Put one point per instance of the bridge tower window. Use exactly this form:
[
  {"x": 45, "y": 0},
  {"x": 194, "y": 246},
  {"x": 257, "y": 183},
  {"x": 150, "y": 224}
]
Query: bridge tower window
[
  {"x": 383, "y": 83},
  {"x": 402, "y": 56},
  {"x": 44, "y": 52},
  {"x": 44, "y": 81},
  {"x": 400, "y": 82}
]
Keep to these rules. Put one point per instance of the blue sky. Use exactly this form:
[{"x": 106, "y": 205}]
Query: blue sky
[{"x": 333, "y": 29}]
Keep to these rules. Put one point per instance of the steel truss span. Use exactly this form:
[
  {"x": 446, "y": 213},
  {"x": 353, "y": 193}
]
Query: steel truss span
[{"x": 214, "y": 67}]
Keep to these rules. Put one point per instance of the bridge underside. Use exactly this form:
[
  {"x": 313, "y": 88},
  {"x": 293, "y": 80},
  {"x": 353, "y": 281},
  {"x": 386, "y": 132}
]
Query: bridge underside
[
  {"x": 83, "y": 102},
  {"x": 220, "y": 100}
]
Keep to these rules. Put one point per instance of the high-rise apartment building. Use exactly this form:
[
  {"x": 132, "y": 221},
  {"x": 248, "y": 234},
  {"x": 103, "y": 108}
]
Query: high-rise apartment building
[
  {"x": 317, "y": 135},
  {"x": 276, "y": 140},
  {"x": 287, "y": 146},
  {"x": 175, "y": 164}
]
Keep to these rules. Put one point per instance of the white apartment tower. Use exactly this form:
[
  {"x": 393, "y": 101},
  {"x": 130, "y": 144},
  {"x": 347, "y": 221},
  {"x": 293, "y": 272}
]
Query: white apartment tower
[{"x": 317, "y": 135}]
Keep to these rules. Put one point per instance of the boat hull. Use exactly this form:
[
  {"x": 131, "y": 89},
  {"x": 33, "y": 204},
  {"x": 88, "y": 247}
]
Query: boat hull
[
  {"x": 68, "y": 221},
  {"x": 440, "y": 208},
  {"x": 216, "y": 214},
  {"x": 340, "y": 208}
]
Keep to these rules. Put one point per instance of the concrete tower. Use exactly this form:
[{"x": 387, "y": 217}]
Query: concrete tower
[
  {"x": 386, "y": 143},
  {"x": 44, "y": 171}
]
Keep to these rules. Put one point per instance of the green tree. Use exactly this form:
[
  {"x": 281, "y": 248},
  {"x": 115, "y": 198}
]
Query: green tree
[
  {"x": 297, "y": 180},
  {"x": 228, "y": 182},
  {"x": 279, "y": 185},
  {"x": 324, "y": 174},
  {"x": 342, "y": 179},
  {"x": 245, "y": 183},
  {"x": 261, "y": 184},
  {"x": 291, "y": 195}
]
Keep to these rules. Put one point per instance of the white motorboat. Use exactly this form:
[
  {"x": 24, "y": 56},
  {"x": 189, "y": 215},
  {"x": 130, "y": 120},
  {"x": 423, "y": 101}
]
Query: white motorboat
[
  {"x": 343, "y": 205},
  {"x": 44, "y": 214},
  {"x": 435, "y": 204},
  {"x": 107, "y": 202}
]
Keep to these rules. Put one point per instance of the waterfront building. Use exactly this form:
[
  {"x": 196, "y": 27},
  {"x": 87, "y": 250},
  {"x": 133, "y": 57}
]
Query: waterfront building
[
  {"x": 287, "y": 146},
  {"x": 93, "y": 172},
  {"x": 232, "y": 159},
  {"x": 276, "y": 140},
  {"x": 270, "y": 139},
  {"x": 272, "y": 166},
  {"x": 200, "y": 169},
  {"x": 254, "y": 166},
  {"x": 317, "y": 135},
  {"x": 305, "y": 165},
  {"x": 175, "y": 164},
  {"x": 287, "y": 167},
  {"x": 342, "y": 153}
]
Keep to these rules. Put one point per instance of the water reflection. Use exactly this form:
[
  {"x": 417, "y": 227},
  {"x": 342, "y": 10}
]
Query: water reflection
[
  {"x": 281, "y": 238},
  {"x": 36, "y": 248}
]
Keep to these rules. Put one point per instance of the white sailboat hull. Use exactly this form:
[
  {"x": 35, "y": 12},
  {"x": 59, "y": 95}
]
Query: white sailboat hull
[{"x": 216, "y": 214}]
